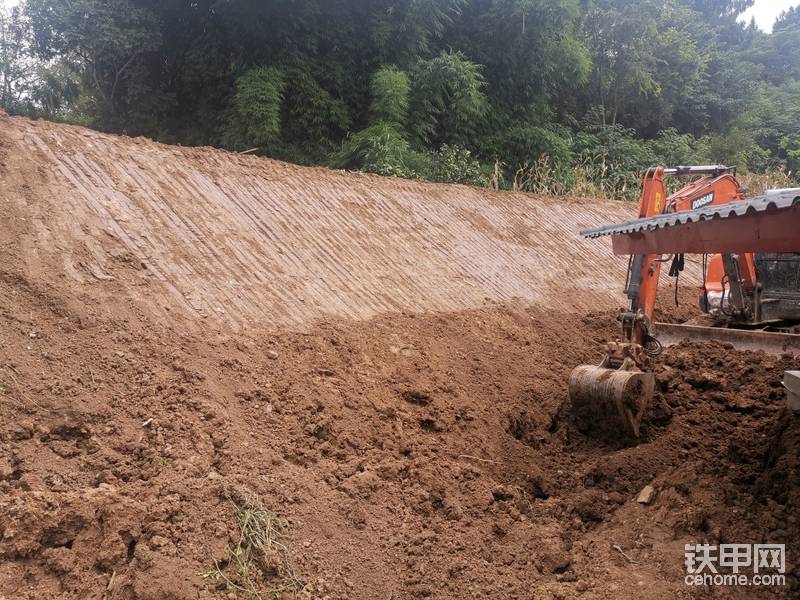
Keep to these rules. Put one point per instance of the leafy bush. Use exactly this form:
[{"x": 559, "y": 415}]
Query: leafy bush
[
  {"x": 390, "y": 90},
  {"x": 538, "y": 159},
  {"x": 739, "y": 148},
  {"x": 254, "y": 118},
  {"x": 315, "y": 120},
  {"x": 672, "y": 149},
  {"x": 382, "y": 149},
  {"x": 455, "y": 164},
  {"x": 790, "y": 147},
  {"x": 525, "y": 144},
  {"x": 616, "y": 157}
]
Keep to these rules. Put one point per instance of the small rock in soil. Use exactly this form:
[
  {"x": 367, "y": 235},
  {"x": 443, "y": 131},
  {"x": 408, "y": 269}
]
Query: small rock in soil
[{"x": 647, "y": 495}]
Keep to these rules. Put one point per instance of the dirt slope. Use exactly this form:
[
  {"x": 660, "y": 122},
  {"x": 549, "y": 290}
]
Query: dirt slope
[
  {"x": 420, "y": 453},
  {"x": 181, "y": 232}
]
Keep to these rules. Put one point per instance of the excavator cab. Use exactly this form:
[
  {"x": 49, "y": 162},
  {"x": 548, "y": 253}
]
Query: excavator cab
[{"x": 779, "y": 291}]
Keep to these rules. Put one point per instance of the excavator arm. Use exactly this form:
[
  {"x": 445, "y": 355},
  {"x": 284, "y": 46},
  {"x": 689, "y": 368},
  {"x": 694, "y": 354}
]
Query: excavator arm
[
  {"x": 717, "y": 185},
  {"x": 644, "y": 270},
  {"x": 620, "y": 387}
]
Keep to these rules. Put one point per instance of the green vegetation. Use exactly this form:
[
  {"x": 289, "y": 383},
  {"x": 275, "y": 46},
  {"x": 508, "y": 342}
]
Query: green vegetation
[
  {"x": 255, "y": 111},
  {"x": 557, "y": 96},
  {"x": 390, "y": 92}
]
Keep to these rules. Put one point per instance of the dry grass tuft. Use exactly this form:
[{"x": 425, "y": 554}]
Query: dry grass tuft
[{"x": 258, "y": 566}]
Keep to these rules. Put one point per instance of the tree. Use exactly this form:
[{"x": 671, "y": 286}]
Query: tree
[
  {"x": 109, "y": 40},
  {"x": 56, "y": 93},
  {"x": 404, "y": 30},
  {"x": 778, "y": 53},
  {"x": 788, "y": 18},
  {"x": 17, "y": 71},
  {"x": 254, "y": 118},
  {"x": 720, "y": 8},
  {"x": 390, "y": 95},
  {"x": 447, "y": 99},
  {"x": 681, "y": 69},
  {"x": 315, "y": 119},
  {"x": 531, "y": 48},
  {"x": 622, "y": 35}
]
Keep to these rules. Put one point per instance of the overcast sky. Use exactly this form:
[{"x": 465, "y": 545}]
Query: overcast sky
[{"x": 764, "y": 11}]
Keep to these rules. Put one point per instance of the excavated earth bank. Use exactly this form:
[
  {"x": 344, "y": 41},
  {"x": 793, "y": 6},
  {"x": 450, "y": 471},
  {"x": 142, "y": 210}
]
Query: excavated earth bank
[{"x": 403, "y": 407}]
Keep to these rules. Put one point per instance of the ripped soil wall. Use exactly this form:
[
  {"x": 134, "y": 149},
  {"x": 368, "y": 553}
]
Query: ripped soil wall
[{"x": 198, "y": 233}]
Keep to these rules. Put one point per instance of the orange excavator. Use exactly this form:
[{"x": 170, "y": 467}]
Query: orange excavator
[{"x": 749, "y": 291}]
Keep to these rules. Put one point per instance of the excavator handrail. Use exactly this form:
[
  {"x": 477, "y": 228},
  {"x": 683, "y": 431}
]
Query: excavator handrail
[{"x": 715, "y": 170}]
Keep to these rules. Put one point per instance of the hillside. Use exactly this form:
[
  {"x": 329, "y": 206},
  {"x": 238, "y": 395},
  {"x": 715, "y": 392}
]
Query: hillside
[
  {"x": 180, "y": 233},
  {"x": 228, "y": 377}
]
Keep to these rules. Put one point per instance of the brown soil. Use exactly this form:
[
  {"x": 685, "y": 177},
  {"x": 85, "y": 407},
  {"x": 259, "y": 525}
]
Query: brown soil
[
  {"x": 209, "y": 238},
  {"x": 414, "y": 455}
]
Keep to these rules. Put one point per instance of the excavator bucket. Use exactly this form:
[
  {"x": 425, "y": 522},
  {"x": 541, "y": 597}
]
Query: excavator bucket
[{"x": 611, "y": 401}]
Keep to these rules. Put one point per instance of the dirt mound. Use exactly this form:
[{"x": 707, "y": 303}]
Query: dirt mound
[
  {"x": 413, "y": 456},
  {"x": 180, "y": 233}
]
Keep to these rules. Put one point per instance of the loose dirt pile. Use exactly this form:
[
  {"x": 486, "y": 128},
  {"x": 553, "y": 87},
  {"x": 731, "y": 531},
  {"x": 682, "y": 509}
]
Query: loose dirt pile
[
  {"x": 413, "y": 456},
  {"x": 152, "y": 451}
]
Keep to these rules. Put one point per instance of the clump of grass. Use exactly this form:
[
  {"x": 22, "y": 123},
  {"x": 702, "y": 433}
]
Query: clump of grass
[
  {"x": 608, "y": 181},
  {"x": 584, "y": 179},
  {"x": 258, "y": 566},
  {"x": 758, "y": 183}
]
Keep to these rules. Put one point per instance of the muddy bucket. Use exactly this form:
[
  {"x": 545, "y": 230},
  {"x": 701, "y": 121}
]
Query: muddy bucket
[{"x": 610, "y": 401}]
